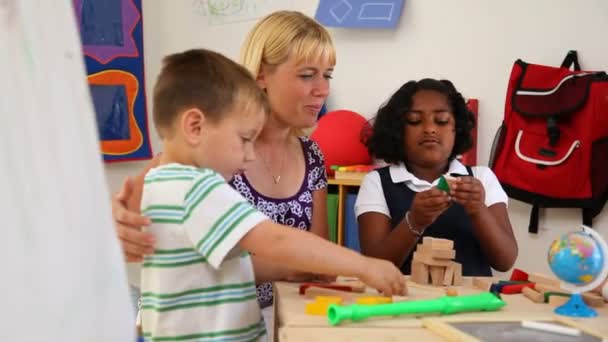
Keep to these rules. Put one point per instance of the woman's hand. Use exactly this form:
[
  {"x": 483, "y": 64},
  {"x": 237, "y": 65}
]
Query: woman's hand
[
  {"x": 468, "y": 192},
  {"x": 427, "y": 206},
  {"x": 128, "y": 222}
]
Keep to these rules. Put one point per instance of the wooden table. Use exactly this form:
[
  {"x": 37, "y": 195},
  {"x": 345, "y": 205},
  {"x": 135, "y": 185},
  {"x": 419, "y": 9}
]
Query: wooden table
[{"x": 292, "y": 324}]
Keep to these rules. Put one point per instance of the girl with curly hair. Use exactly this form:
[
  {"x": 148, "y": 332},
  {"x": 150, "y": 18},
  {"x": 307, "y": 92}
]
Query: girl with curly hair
[{"x": 419, "y": 132}]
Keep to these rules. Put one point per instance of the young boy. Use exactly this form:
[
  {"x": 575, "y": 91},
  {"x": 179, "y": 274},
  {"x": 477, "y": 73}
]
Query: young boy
[{"x": 199, "y": 283}]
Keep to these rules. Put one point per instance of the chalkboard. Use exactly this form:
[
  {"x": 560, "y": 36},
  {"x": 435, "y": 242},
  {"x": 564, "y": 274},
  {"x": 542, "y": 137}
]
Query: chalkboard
[{"x": 514, "y": 332}]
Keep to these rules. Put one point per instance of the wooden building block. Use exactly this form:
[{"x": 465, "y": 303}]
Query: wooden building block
[
  {"x": 437, "y": 253},
  {"x": 437, "y": 275},
  {"x": 533, "y": 295},
  {"x": 451, "y": 292},
  {"x": 542, "y": 279},
  {"x": 542, "y": 288},
  {"x": 598, "y": 289},
  {"x": 457, "y": 273},
  {"x": 420, "y": 272},
  {"x": 438, "y": 243},
  {"x": 518, "y": 274},
  {"x": 593, "y": 299},
  {"x": 448, "y": 277},
  {"x": 314, "y": 292},
  {"x": 558, "y": 300},
  {"x": 355, "y": 285},
  {"x": 428, "y": 260},
  {"x": 483, "y": 284}
]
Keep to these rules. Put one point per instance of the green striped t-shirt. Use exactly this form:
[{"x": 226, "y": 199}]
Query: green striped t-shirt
[{"x": 198, "y": 285}]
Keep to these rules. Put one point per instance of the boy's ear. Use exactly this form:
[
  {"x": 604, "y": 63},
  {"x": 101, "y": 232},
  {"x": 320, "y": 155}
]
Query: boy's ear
[{"x": 192, "y": 123}]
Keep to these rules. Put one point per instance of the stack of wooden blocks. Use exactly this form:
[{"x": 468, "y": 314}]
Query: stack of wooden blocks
[{"x": 433, "y": 263}]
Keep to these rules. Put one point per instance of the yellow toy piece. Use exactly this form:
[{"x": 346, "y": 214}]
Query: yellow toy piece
[
  {"x": 374, "y": 300},
  {"x": 321, "y": 304}
]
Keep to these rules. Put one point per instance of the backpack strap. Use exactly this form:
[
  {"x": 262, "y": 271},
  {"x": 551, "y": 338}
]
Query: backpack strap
[
  {"x": 534, "y": 218},
  {"x": 588, "y": 217},
  {"x": 570, "y": 60},
  {"x": 533, "y": 224}
]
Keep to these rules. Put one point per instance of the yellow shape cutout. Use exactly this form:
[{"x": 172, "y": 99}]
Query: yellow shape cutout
[
  {"x": 321, "y": 304},
  {"x": 374, "y": 300}
]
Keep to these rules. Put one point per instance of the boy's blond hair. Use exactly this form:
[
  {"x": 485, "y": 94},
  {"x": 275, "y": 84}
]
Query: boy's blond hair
[{"x": 205, "y": 80}]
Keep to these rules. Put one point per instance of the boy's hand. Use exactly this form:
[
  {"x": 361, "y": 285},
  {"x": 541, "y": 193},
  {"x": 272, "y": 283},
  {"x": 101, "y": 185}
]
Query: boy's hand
[
  {"x": 427, "y": 206},
  {"x": 325, "y": 278},
  {"x": 468, "y": 192},
  {"x": 299, "y": 277},
  {"x": 383, "y": 276}
]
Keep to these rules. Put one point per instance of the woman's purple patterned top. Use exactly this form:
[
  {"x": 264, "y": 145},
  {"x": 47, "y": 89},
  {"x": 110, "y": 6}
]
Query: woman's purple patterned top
[{"x": 295, "y": 211}]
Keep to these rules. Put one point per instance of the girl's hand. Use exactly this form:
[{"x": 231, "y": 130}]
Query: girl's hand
[
  {"x": 128, "y": 221},
  {"x": 427, "y": 206},
  {"x": 468, "y": 192}
]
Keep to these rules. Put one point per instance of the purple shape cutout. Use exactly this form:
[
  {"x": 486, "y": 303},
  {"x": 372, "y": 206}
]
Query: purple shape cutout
[
  {"x": 101, "y": 23},
  {"x": 106, "y": 53}
]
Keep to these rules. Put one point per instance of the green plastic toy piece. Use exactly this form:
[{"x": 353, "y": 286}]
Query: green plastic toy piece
[
  {"x": 484, "y": 301},
  {"x": 513, "y": 282},
  {"x": 443, "y": 185},
  {"x": 558, "y": 294}
]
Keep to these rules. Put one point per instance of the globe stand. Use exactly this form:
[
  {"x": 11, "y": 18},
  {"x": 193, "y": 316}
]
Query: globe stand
[{"x": 575, "y": 307}]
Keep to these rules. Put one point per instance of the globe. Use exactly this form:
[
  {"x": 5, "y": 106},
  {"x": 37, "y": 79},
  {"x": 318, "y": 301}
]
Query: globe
[
  {"x": 579, "y": 259},
  {"x": 576, "y": 258}
]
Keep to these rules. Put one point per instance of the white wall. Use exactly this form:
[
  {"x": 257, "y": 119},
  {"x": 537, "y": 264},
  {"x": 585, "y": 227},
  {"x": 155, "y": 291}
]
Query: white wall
[{"x": 471, "y": 42}]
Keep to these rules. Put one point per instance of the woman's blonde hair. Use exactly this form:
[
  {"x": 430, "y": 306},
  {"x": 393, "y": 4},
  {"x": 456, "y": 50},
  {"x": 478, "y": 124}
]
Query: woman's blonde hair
[{"x": 281, "y": 34}]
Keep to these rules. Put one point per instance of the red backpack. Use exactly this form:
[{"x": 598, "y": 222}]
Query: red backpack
[{"x": 552, "y": 148}]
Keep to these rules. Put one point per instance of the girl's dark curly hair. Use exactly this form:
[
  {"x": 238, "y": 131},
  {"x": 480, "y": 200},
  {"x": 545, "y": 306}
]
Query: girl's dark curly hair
[{"x": 386, "y": 138}]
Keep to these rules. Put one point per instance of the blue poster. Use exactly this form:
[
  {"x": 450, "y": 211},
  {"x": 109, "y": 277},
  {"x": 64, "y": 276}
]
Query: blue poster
[
  {"x": 359, "y": 13},
  {"x": 112, "y": 41}
]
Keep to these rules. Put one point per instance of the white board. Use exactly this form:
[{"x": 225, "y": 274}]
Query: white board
[{"x": 63, "y": 278}]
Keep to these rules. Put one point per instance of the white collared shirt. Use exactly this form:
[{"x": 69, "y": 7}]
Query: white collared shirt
[{"x": 371, "y": 197}]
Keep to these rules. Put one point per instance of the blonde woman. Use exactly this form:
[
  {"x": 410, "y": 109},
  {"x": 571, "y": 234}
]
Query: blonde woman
[{"x": 292, "y": 58}]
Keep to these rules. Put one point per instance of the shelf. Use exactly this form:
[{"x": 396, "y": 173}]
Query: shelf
[
  {"x": 351, "y": 182},
  {"x": 343, "y": 187}
]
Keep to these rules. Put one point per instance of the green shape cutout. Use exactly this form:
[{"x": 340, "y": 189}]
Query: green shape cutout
[{"x": 443, "y": 185}]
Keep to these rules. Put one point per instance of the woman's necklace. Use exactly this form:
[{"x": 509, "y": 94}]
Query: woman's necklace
[{"x": 278, "y": 177}]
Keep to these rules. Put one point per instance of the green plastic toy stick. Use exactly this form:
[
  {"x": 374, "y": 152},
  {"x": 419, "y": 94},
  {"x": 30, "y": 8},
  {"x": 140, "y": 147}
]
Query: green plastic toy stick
[
  {"x": 443, "y": 185},
  {"x": 484, "y": 301}
]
